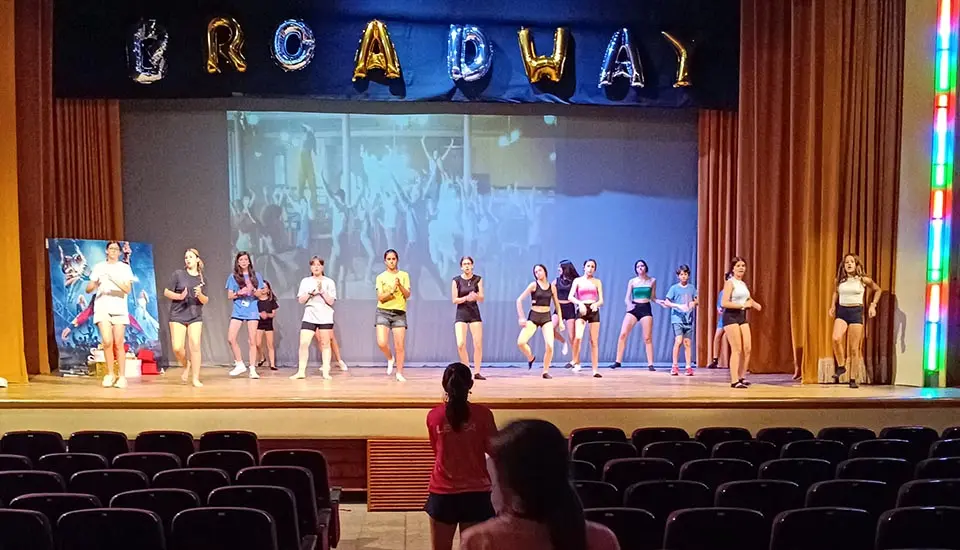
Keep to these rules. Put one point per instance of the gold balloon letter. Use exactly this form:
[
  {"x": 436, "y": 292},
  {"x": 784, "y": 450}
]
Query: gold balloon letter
[
  {"x": 376, "y": 51},
  {"x": 540, "y": 67},
  {"x": 683, "y": 60},
  {"x": 233, "y": 53}
]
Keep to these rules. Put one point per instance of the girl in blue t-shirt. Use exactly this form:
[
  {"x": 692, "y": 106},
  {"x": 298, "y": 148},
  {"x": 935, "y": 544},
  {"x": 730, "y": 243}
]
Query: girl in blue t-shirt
[{"x": 245, "y": 288}]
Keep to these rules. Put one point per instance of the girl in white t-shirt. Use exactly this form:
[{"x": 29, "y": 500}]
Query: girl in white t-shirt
[
  {"x": 112, "y": 281},
  {"x": 318, "y": 293}
]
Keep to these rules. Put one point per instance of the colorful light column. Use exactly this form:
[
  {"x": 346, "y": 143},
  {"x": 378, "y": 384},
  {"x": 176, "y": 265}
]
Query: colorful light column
[{"x": 941, "y": 195}]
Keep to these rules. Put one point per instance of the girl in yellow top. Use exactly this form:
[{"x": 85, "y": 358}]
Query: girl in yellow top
[{"x": 393, "y": 290}]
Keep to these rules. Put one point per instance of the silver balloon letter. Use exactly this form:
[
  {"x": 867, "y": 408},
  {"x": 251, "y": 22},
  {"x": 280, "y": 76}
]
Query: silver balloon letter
[
  {"x": 621, "y": 59},
  {"x": 146, "y": 52},
  {"x": 460, "y": 62},
  {"x": 293, "y": 61}
]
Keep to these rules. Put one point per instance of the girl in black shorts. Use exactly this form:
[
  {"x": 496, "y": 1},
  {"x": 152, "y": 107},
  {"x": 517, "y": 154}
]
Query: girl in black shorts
[
  {"x": 541, "y": 293},
  {"x": 568, "y": 311},
  {"x": 736, "y": 302},
  {"x": 641, "y": 291},
  {"x": 268, "y": 307},
  {"x": 467, "y": 293},
  {"x": 587, "y": 294},
  {"x": 846, "y": 307}
]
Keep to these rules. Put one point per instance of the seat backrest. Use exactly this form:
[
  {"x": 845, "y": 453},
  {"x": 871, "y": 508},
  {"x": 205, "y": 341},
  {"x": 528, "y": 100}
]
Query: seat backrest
[
  {"x": 54, "y": 505},
  {"x": 884, "y": 448},
  {"x": 802, "y": 471},
  {"x": 310, "y": 459},
  {"x": 166, "y": 503},
  {"x": 223, "y": 529},
  {"x": 635, "y": 529},
  {"x": 110, "y": 529},
  {"x": 23, "y": 482},
  {"x": 148, "y": 463},
  {"x": 848, "y": 435},
  {"x": 875, "y": 497},
  {"x": 938, "y": 468},
  {"x": 599, "y": 452},
  {"x": 32, "y": 444},
  {"x": 894, "y": 471},
  {"x": 712, "y": 435},
  {"x": 945, "y": 448},
  {"x": 230, "y": 461},
  {"x": 581, "y": 470},
  {"x": 678, "y": 452},
  {"x": 25, "y": 530},
  {"x": 279, "y": 502},
  {"x": 952, "y": 432},
  {"x": 641, "y": 437},
  {"x": 14, "y": 462},
  {"x": 918, "y": 527},
  {"x": 624, "y": 472},
  {"x": 661, "y": 498},
  {"x": 105, "y": 484},
  {"x": 295, "y": 478},
  {"x": 824, "y": 529},
  {"x": 833, "y": 452},
  {"x": 923, "y": 435},
  {"x": 780, "y": 436},
  {"x": 714, "y": 472},
  {"x": 104, "y": 443},
  {"x": 178, "y": 443},
  {"x": 754, "y": 452},
  {"x": 698, "y": 528},
  {"x": 767, "y": 496},
  {"x": 230, "y": 440},
  {"x": 929, "y": 492},
  {"x": 199, "y": 480},
  {"x": 597, "y": 494},
  {"x": 598, "y": 433},
  {"x": 67, "y": 464}
]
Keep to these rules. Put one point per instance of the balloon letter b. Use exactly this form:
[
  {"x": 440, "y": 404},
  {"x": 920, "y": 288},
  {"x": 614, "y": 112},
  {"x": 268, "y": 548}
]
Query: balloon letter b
[
  {"x": 540, "y": 67},
  {"x": 146, "y": 52},
  {"x": 232, "y": 53},
  {"x": 305, "y": 45},
  {"x": 621, "y": 59},
  {"x": 376, "y": 51},
  {"x": 459, "y": 65}
]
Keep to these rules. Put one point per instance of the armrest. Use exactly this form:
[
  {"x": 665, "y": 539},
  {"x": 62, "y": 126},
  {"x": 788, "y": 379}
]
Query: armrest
[
  {"x": 308, "y": 543},
  {"x": 323, "y": 529},
  {"x": 335, "y": 495}
]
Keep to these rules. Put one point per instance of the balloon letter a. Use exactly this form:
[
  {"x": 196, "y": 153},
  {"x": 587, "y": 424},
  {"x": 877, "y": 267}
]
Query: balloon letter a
[
  {"x": 376, "y": 51},
  {"x": 621, "y": 59},
  {"x": 540, "y": 67}
]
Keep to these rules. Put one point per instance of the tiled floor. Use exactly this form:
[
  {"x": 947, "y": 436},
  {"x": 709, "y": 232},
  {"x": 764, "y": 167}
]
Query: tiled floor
[{"x": 362, "y": 530}]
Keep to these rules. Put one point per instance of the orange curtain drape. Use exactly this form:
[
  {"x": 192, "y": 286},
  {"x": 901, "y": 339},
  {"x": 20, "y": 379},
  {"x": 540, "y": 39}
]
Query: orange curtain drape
[
  {"x": 69, "y": 171},
  {"x": 817, "y": 173}
]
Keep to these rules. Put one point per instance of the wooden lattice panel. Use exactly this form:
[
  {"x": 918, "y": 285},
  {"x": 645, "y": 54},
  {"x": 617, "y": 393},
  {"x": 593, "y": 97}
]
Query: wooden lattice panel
[{"x": 398, "y": 473}]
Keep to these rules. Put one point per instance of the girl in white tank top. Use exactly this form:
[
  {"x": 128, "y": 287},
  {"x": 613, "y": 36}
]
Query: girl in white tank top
[
  {"x": 736, "y": 302},
  {"x": 846, "y": 307}
]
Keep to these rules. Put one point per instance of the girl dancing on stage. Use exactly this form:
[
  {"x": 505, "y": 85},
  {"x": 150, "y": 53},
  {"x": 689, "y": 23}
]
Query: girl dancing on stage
[
  {"x": 393, "y": 291},
  {"x": 587, "y": 294},
  {"x": 846, "y": 306},
  {"x": 467, "y": 293},
  {"x": 718, "y": 340},
  {"x": 318, "y": 293},
  {"x": 566, "y": 274},
  {"x": 641, "y": 290},
  {"x": 682, "y": 300},
  {"x": 267, "y": 306},
  {"x": 736, "y": 302},
  {"x": 112, "y": 280},
  {"x": 541, "y": 293},
  {"x": 245, "y": 288},
  {"x": 186, "y": 314}
]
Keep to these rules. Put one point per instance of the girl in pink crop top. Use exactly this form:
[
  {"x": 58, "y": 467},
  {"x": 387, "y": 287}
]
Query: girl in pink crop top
[{"x": 587, "y": 295}]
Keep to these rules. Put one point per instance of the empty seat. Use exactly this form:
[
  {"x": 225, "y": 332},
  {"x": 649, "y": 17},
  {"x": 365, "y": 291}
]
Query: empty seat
[
  {"x": 920, "y": 438},
  {"x": 802, "y": 471},
  {"x": 624, "y": 472},
  {"x": 166, "y": 503},
  {"x": 223, "y": 529},
  {"x": 929, "y": 492},
  {"x": 148, "y": 463},
  {"x": 714, "y": 472},
  {"x": 823, "y": 529},
  {"x": 951, "y": 433},
  {"x": 641, "y": 437},
  {"x": 106, "y": 484},
  {"x": 597, "y": 494},
  {"x": 635, "y": 529},
  {"x": 67, "y": 464},
  {"x": 110, "y": 529},
  {"x": 894, "y": 471},
  {"x": 833, "y": 452},
  {"x": 946, "y": 448},
  {"x": 178, "y": 443},
  {"x": 200, "y": 481},
  {"x": 25, "y": 530},
  {"x": 702, "y": 528},
  {"x": 919, "y": 527},
  {"x": 279, "y": 502},
  {"x": 587, "y": 435},
  {"x": 938, "y": 468},
  {"x": 581, "y": 470},
  {"x": 300, "y": 482},
  {"x": 14, "y": 462},
  {"x": 328, "y": 497},
  {"x": 32, "y": 444},
  {"x": 104, "y": 443},
  {"x": 231, "y": 440},
  {"x": 883, "y": 448},
  {"x": 661, "y": 498},
  {"x": 228, "y": 461},
  {"x": 24, "y": 482},
  {"x": 848, "y": 435},
  {"x": 599, "y": 452},
  {"x": 678, "y": 452},
  {"x": 712, "y": 435},
  {"x": 767, "y": 496},
  {"x": 782, "y": 435},
  {"x": 54, "y": 505},
  {"x": 754, "y": 452},
  {"x": 875, "y": 497}
]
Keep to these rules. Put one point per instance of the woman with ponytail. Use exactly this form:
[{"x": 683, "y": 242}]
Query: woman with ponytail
[
  {"x": 460, "y": 434},
  {"x": 541, "y": 509},
  {"x": 187, "y": 299}
]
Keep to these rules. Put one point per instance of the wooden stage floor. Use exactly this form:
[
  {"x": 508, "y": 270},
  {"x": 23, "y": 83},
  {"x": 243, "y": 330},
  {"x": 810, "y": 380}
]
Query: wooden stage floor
[{"x": 365, "y": 402}]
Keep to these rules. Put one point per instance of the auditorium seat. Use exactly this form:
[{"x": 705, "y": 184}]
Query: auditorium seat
[
  {"x": 920, "y": 438},
  {"x": 824, "y": 528},
  {"x": 148, "y": 463},
  {"x": 104, "y": 443},
  {"x": 754, "y": 452},
  {"x": 884, "y": 448},
  {"x": 231, "y": 440},
  {"x": 14, "y": 463},
  {"x": 833, "y": 452},
  {"x": 106, "y": 484},
  {"x": 223, "y": 529},
  {"x": 677, "y": 452},
  {"x": 25, "y": 530},
  {"x": 54, "y": 505},
  {"x": 945, "y": 448},
  {"x": 952, "y": 432},
  {"x": 780, "y": 436},
  {"x": 25, "y": 482},
  {"x": 200, "y": 481},
  {"x": 110, "y": 529},
  {"x": 930, "y": 492},
  {"x": 938, "y": 468},
  {"x": 67, "y": 464},
  {"x": 710, "y": 436},
  {"x": 661, "y": 498},
  {"x": 228, "y": 461},
  {"x": 587, "y": 435},
  {"x": 279, "y": 502},
  {"x": 848, "y": 435},
  {"x": 767, "y": 496},
  {"x": 895, "y": 471},
  {"x": 178, "y": 443},
  {"x": 802, "y": 471},
  {"x": 624, "y": 472},
  {"x": 876, "y": 497},
  {"x": 714, "y": 472},
  {"x": 328, "y": 497},
  {"x": 599, "y": 452},
  {"x": 597, "y": 494},
  {"x": 300, "y": 482},
  {"x": 635, "y": 529},
  {"x": 32, "y": 444},
  {"x": 166, "y": 503},
  {"x": 715, "y": 528},
  {"x": 581, "y": 470},
  {"x": 919, "y": 527},
  {"x": 641, "y": 437}
]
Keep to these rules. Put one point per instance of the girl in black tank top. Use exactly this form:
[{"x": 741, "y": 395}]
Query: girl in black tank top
[
  {"x": 539, "y": 317},
  {"x": 567, "y": 272},
  {"x": 467, "y": 292}
]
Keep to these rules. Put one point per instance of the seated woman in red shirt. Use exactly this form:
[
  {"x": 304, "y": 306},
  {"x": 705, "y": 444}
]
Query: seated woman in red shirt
[
  {"x": 460, "y": 435},
  {"x": 541, "y": 509}
]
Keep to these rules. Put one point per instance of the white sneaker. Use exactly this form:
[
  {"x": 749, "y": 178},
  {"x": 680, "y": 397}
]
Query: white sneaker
[
  {"x": 326, "y": 373},
  {"x": 565, "y": 350},
  {"x": 121, "y": 383},
  {"x": 253, "y": 373},
  {"x": 109, "y": 380},
  {"x": 390, "y": 366},
  {"x": 238, "y": 368},
  {"x": 400, "y": 378},
  {"x": 343, "y": 365},
  {"x": 577, "y": 367}
]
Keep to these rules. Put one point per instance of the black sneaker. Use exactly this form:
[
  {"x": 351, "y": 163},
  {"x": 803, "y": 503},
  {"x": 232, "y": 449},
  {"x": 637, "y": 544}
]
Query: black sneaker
[
  {"x": 531, "y": 362},
  {"x": 651, "y": 369},
  {"x": 713, "y": 364},
  {"x": 854, "y": 385},
  {"x": 841, "y": 370},
  {"x": 479, "y": 376},
  {"x": 597, "y": 375},
  {"x": 615, "y": 365},
  {"x": 546, "y": 376}
]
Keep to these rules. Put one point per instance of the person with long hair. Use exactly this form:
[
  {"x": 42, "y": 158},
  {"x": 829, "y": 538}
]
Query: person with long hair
[
  {"x": 846, "y": 308},
  {"x": 393, "y": 291},
  {"x": 641, "y": 290},
  {"x": 187, "y": 299},
  {"x": 541, "y": 509},
  {"x": 112, "y": 280},
  {"x": 244, "y": 288},
  {"x": 467, "y": 292},
  {"x": 719, "y": 342},
  {"x": 460, "y": 485},
  {"x": 542, "y": 293},
  {"x": 682, "y": 300},
  {"x": 736, "y": 327},
  {"x": 586, "y": 293},
  {"x": 267, "y": 306},
  {"x": 318, "y": 293},
  {"x": 566, "y": 273}
]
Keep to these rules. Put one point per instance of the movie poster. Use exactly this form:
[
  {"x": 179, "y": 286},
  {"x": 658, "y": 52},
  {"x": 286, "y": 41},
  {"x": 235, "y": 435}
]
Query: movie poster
[{"x": 71, "y": 261}]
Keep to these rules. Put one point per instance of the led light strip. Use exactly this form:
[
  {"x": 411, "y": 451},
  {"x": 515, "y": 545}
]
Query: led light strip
[{"x": 941, "y": 196}]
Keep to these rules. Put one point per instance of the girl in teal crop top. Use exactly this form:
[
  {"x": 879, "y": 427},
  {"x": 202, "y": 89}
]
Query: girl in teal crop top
[{"x": 641, "y": 292}]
